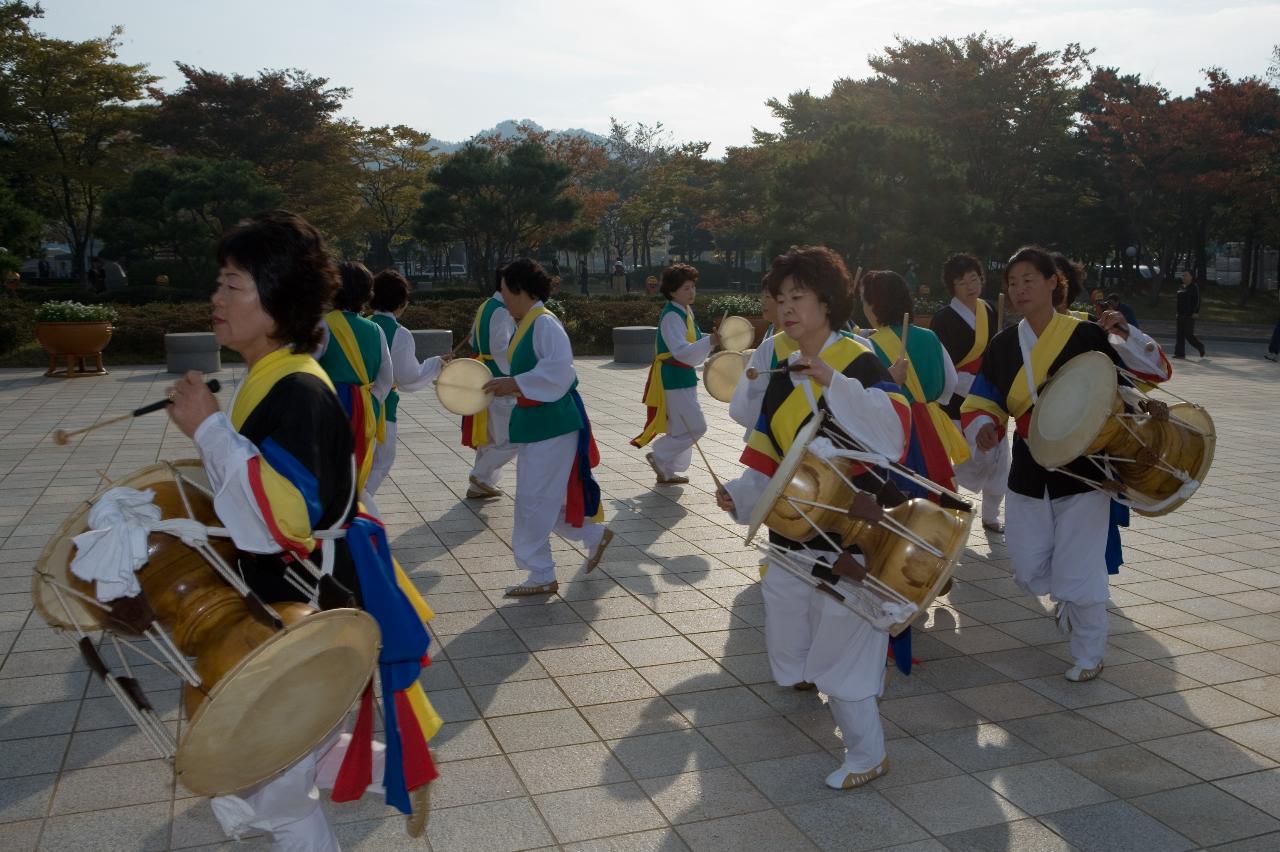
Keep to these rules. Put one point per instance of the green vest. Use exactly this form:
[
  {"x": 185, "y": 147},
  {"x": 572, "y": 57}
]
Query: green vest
[
  {"x": 672, "y": 376},
  {"x": 389, "y": 324},
  {"x": 480, "y": 333},
  {"x": 545, "y": 420},
  {"x": 340, "y": 370}
]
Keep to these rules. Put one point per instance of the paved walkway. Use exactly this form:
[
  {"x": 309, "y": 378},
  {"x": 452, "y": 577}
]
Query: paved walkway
[{"x": 635, "y": 711}]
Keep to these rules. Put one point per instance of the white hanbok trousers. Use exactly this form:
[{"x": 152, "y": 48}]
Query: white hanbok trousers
[
  {"x": 1058, "y": 548},
  {"x": 986, "y": 473},
  {"x": 287, "y": 807},
  {"x": 542, "y": 476},
  {"x": 673, "y": 451},
  {"x": 499, "y": 450}
]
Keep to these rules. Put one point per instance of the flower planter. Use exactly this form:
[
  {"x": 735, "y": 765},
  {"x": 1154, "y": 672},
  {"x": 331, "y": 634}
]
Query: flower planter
[{"x": 75, "y": 342}]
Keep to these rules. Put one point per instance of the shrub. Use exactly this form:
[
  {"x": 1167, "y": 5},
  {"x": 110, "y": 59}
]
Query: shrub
[
  {"x": 736, "y": 304},
  {"x": 68, "y": 311}
]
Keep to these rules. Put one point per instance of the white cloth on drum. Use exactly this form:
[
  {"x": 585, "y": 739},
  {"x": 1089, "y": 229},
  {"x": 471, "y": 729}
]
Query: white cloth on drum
[
  {"x": 499, "y": 450},
  {"x": 673, "y": 451},
  {"x": 115, "y": 546},
  {"x": 287, "y": 807},
  {"x": 1136, "y": 355},
  {"x": 542, "y": 478},
  {"x": 861, "y": 731},
  {"x": 1058, "y": 548}
]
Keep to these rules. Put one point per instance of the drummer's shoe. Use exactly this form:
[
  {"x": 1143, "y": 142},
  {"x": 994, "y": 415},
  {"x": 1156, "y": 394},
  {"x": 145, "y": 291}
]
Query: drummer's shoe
[
  {"x": 993, "y": 526},
  {"x": 480, "y": 491},
  {"x": 842, "y": 779},
  {"x": 526, "y": 590},
  {"x": 420, "y": 800},
  {"x": 1076, "y": 674},
  {"x": 663, "y": 479},
  {"x": 597, "y": 553},
  {"x": 802, "y": 686}
]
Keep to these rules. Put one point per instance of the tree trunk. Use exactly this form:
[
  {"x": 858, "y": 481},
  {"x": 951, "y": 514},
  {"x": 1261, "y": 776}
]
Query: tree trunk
[{"x": 1246, "y": 267}]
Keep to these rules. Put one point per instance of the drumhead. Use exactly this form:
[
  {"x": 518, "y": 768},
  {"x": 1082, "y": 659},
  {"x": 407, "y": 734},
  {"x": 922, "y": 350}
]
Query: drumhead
[
  {"x": 721, "y": 373},
  {"x": 1072, "y": 409},
  {"x": 278, "y": 703},
  {"x": 786, "y": 468},
  {"x": 460, "y": 386},
  {"x": 736, "y": 334},
  {"x": 54, "y": 563}
]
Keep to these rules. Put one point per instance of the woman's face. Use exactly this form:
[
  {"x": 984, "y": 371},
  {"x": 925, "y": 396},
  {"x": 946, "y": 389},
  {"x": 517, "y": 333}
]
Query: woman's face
[
  {"x": 1030, "y": 291},
  {"x": 799, "y": 311},
  {"x": 239, "y": 321},
  {"x": 685, "y": 294},
  {"x": 968, "y": 287},
  {"x": 518, "y": 304}
]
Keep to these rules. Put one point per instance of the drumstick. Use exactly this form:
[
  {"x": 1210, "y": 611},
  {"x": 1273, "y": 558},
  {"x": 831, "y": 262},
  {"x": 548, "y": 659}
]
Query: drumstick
[
  {"x": 753, "y": 373},
  {"x": 906, "y": 327},
  {"x": 458, "y": 348},
  {"x": 1000, "y": 313},
  {"x": 62, "y": 436},
  {"x": 714, "y": 478}
]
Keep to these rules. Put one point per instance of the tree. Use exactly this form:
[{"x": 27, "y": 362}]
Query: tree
[
  {"x": 395, "y": 168},
  {"x": 284, "y": 122},
  {"x": 72, "y": 128},
  {"x": 181, "y": 207},
  {"x": 497, "y": 204}
]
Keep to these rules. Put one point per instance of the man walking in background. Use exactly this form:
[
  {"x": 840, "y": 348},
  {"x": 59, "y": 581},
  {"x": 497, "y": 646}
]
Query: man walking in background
[{"x": 1188, "y": 308}]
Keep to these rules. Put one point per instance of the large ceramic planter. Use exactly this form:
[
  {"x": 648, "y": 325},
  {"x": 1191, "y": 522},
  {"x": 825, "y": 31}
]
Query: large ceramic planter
[{"x": 73, "y": 343}]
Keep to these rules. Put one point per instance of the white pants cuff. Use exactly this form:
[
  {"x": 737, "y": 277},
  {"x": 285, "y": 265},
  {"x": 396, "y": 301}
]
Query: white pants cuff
[{"x": 861, "y": 731}]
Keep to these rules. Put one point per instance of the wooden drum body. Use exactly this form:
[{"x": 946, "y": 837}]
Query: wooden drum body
[
  {"x": 1082, "y": 413},
  {"x": 266, "y": 697}
]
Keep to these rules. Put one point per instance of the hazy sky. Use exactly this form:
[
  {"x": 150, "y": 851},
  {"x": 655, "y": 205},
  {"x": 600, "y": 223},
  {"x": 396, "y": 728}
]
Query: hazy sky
[{"x": 703, "y": 68}]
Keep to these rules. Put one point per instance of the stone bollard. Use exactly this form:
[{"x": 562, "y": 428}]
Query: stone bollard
[
  {"x": 430, "y": 342},
  {"x": 192, "y": 350},
  {"x": 634, "y": 344}
]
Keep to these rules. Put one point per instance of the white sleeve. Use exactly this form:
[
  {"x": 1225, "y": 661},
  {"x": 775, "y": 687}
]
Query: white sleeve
[
  {"x": 867, "y": 415},
  {"x": 501, "y": 329},
  {"x": 226, "y": 454},
  {"x": 409, "y": 374},
  {"x": 553, "y": 375},
  {"x": 748, "y": 395},
  {"x": 1135, "y": 355},
  {"x": 949, "y": 380},
  {"x": 324, "y": 341},
  {"x": 386, "y": 378},
  {"x": 746, "y": 491},
  {"x": 673, "y": 334}
]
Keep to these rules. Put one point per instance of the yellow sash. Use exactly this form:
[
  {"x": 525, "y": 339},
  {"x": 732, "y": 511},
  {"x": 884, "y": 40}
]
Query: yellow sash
[
  {"x": 655, "y": 396},
  {"x": 953, "y": 441},
  {"x": 981, "y": 334},
  {"x": 794, "y": 411},
  {"x": 375, "y": 425},
  {"x": 1047, "y": 348},
  {"x": 262, "y": 377},
  {"x": 522, "y": 329}
]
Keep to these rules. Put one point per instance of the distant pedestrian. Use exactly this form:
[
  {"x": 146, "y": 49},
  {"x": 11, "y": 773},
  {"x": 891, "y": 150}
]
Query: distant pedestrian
[
  {"x": 1273, "y": 350},
  {"x": 1188, "y": 310},
  {"x": 583, "y": 281}
]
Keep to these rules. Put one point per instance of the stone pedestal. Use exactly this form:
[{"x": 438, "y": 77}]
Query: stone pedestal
[
  {"x": 192, "y": 350},
  {"x": 432, "y": 341},
  {"x": 634, "y": 344}
]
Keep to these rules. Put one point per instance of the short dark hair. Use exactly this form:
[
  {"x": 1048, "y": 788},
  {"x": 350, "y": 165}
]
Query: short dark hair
[
  {"x": 958, "y": 266},
  {"x": 888, "y": 295},
  {"x": 673, "y": 278},
  {"x": 819, "y": 269},
  {"x": 390, "y": 291},
  {"x": 356, "y": 286},
  {"x": 1042, "y": 260},
  {"x": 525, "y": 275},
  {"x": 295, "y": 276},
  {"x": 1073, "y": 274}
]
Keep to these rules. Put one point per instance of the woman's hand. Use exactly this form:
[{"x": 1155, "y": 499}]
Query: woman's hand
[
  {"x": 715, "y": 340},
  {"x": 724, "y": 501},
  {"x": 1113, "y": 322},
  {"x": 446, "y": 358},
  {"x": 191, "y": 402},
  {"x": 505, "y": 386},
  {"x": 899, "y": 370},
  {"x": 988, "y": 437},
  {"x": 817, "y": 369}
]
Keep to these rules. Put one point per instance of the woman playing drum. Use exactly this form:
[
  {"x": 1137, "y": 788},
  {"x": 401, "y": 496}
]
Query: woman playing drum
[
  {"x": 390, "y": 298},
  {"x": 811, "y": 638},
  {"x": 1056, "y": 525},
  {"x": 280, "y": 465},
  {"x": 488, "y": 432},
  {"x": 964, "y": 327},
  {"x": 671, "y": 394},
  {"x": 926, "y": 374}
]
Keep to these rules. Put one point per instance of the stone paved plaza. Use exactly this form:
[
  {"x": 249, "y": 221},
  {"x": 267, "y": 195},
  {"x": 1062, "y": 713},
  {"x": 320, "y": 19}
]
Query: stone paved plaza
[{"x": 635, "y": 711}]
